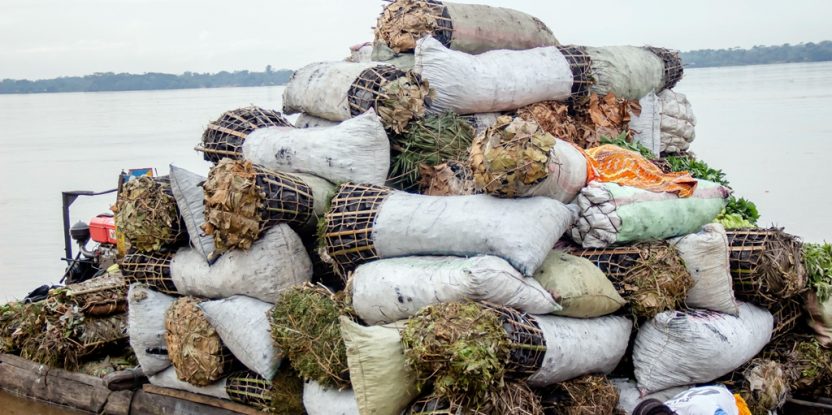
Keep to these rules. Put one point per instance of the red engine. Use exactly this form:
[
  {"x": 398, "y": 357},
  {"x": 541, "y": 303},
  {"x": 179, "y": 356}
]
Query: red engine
[{"x": 103, "y": 229}]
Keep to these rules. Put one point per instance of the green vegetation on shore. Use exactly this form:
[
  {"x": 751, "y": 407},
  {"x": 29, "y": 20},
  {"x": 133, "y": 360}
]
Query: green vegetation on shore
[
  {"x": 109, "y": 81},
  {"x": 758, "y": 55}
]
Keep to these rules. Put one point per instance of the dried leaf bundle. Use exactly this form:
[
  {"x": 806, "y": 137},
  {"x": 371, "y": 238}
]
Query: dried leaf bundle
[
  {"x": 194, "y": 347},
  {"x": 147, "y": 215}
]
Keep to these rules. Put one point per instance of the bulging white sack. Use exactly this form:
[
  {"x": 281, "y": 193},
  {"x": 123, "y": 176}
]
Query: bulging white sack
[
  {"x": 646, "y": 126},
  {"x": 715, "y": 399},
  {"x": 629, "y": 396},
  {"x": 275, "y": 262},
  {"x": 319, "y": 400},
  {"x": 321, "y": 89},
  {"x": 146, "y": 327},
  {"x": 243, "y": 325},
  {"x": 355, "y": 150},
  {"x": 577, "y": 347},
  {"x": 395, "y": 289},
  {"x": 310, "y": 121},
  {"x": 682, "y": 348},
  {"x": 499, "y": 80},
  {"x": 567, "y": 174},
  {"x": 168, "y": 379},
  {"x": 706, "y": 257},
  {"x": 666, "y": 123},
  {"x": 521, "y": 231}
]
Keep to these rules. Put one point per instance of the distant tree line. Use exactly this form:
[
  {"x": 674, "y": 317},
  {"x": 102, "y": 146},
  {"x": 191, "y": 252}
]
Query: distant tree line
[
  {"x": 804, "y": 52},
  {"x": 109, "y": 81}
]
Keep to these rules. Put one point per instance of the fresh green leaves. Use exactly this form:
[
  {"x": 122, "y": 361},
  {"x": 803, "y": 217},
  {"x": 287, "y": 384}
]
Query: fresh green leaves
[
  {"x": 622, "y": 142},
  {"x": 818, "y": 259}
]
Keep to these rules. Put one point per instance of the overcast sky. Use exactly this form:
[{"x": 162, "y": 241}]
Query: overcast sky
[{"x": 50, "y": 38}]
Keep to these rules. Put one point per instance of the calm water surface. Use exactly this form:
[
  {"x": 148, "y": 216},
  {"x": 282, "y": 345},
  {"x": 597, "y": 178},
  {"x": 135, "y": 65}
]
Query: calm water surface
[{"x": 768, "y": 127}]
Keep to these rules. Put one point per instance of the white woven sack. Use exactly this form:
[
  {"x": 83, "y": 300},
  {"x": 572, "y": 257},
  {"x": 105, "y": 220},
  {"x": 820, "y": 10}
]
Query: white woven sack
[
  {"x": 499, "y": 80},
  {"x": 395, "y": 289},
  {"x": 706, "y": 257},
  {"x": 629, "y": 396},
  {"x": 168, "y": 379},
  {"x": 321, "y": 89},
  {"x": 683, "y": 348},
  {"x": 319, "y": 400},
  {"x": 274, "y": 263},
  {"x": 146, "y": 327},
  {"x": 356, "y": 150},
  {"x": 577, "y": 347},
  {"x": 305, "y": 120},
  {"x": 243, "y": 325}
]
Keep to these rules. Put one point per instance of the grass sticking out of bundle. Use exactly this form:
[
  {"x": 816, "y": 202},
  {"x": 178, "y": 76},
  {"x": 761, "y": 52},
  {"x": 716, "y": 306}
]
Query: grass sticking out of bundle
[
  {"x": 282, "y": 396},
  {"x": 587, "y": 395},
  {"x": 427, "y": 143},
  {"x": 194, "y": 347},
  {"x": 510, "y": 156},
  {"x": 461, "y": 347},
  {"x": 305, "y": 326},
  {"x": 100, "y": 296},
  {"x": 818, "y": 260},
  {"x": 807, "y": 365},
  {"x": 510, "y": 398},
  {"x": 147, "y": 215},
  {"x": 10, "y": 319},
  {"x": 766, "y": 265},
  {"x": 763, "y": 385},
  {"x": 225, "y": 136},
  {"x": 651, "y": 276}
]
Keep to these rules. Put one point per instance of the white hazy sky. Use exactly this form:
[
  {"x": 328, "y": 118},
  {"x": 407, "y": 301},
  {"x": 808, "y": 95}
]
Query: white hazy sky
[{"x": 50, "y": 38}]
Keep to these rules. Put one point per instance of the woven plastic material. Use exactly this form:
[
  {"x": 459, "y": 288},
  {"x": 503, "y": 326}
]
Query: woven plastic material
[
  {"x": 225, "y": 136},
  {"x": 673, "y": 69},
  {"x": 150, "y": 269},
  {"x": 349, "y": 225},
  {"x": 767, "y": 265}
]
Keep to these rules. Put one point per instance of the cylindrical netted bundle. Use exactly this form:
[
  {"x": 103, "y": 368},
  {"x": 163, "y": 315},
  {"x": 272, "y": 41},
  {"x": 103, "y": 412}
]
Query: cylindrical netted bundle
[
  {"x": 426, "y": 143},
  {"x": 464, "y": 27},
  {"x": 587, "y": 395},
  {"x": 767, "y": 265},
  {"x": 150, "y": 269},
  {"x": 516, "y": 158},
  {"x": 338, "y": 91},
  {"x": 514, "y": 398},
  {"x": 788, "y": 314},
  {"x": 305, "y": 326},
  {"x": 651, "y": 276},
  {"x": 242, "y": 200},
  {"x": 194, "y": 347},
  {"x": 283, "y": 395},
  {"x": 673, "y": 68},
  {"x": 147, "y": 215},
  {"x": 762, "y": 383},
  {"x": 225, "y": 136},
  {"x": 453, "y": 178},
  {"x": 467, "y": 348},
  {"x": 101, "y": 296},
  {"x": 347, "y": 236},
  {"x": 581, "y": 65},
  {"x": 632, "y": 72}
]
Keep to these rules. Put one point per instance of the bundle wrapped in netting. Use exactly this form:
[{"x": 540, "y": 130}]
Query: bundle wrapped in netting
[
  {"x": 609, "y": 213},
  {"x": 338, "y": 91},
  {"x": 225, "y": 136},
  {"x": 652, "y": 277},
  {"x": 767, "y": 265},
  {"x": 426, "y": 143},
  {"x": 463, "y": 27},
  {"x": 371, "y": 222},
  {"x": 100, "y": 296},
  {"x": 242, "y": 200},
  {"x": 465, "y": 349},
  {"x": 283, "y": 395},
  {"x": 762, "y": 383},
  {"x": 512, "y": 397},
  {"x": 147, "y": 215},
  {"x": 788, "y": 314},
  {"x": 808, "y": 365},
  {"x": 584, "y": 124},
  {"x": 632, "y": 72},
  {"x": 305, "y": 325},
  {"x": 194, "y": 347},
  {"x": 587, "y": 395},
  {"x": 57, "y": 334},
  {"x": 517, "y": 158},
  {"x": 152, "y": 269},
  {"x": 453, "y": 178}
]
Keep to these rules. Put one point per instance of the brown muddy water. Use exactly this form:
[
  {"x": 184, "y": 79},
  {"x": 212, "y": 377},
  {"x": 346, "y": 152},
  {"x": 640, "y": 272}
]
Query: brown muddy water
[{"x": 13, "y": 405}]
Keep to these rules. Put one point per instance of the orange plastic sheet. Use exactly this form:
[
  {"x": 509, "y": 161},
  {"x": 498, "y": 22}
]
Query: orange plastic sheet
[{"x": 610, "y": 163}]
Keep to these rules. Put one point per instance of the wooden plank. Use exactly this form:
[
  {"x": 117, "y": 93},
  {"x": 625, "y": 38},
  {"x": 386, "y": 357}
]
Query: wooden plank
[
  {"x": 202, "y": 399},
  {"x": 118, "y": 403},
  {"x": 146, "y": 403},
  {"x": 20, "y": 381}
]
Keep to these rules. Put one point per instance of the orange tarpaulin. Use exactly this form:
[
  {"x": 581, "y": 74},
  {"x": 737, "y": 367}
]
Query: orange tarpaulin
[{"x": 610, "y": 163}]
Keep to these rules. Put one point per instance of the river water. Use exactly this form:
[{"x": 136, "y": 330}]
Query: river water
[{"x": 767, "y": 126}]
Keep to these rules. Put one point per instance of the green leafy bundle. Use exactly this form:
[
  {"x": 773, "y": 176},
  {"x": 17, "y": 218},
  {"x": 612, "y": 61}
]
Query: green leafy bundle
[{"x": 818, "y": 259}]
